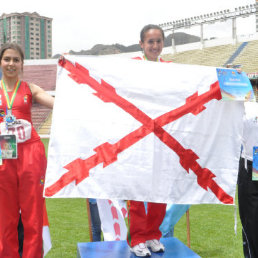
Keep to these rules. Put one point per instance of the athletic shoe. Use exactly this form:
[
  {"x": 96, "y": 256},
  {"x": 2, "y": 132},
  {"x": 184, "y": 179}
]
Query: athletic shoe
[
  {"x": 140, "y": 250},
  {"x": 155, "y": 245}
]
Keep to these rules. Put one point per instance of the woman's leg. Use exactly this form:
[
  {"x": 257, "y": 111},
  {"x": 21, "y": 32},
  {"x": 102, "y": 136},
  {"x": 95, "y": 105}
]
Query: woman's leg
[
  {"x": 137, "y": 223},
  {"x": 31, "y": 182},
  {"x": 9, "y": 215}
]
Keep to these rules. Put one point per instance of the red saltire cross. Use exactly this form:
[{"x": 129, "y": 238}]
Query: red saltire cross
[{"x": 106, "y": 153}]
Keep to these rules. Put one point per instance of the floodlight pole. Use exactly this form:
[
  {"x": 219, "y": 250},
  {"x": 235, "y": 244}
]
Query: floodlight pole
[
  {"x": 234, "y": 34},
  {"x": 201, "y": 35},
  {"x": 173, "y": 41}
]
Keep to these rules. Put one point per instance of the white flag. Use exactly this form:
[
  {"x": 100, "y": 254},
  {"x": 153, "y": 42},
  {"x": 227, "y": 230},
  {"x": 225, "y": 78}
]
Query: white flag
[
  {"x": 146, "y": 131},
  {"x": 47, "y": 244},
  {"x": 112, "y": 215}
]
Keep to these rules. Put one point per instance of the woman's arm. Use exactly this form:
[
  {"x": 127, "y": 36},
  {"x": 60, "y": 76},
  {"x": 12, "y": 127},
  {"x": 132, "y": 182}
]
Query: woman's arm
[{"x": 41, "y": 97}]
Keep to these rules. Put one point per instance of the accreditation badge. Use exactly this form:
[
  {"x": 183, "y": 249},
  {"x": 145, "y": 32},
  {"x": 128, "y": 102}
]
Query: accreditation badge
[
  {"x": 8, "y": 145},
  {"x": 255, "y": 164}
]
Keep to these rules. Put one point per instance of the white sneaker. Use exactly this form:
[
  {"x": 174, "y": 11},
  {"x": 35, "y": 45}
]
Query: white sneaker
[
  {"x": 155, "y": 245},
  {"x": 140, "y": 250}
]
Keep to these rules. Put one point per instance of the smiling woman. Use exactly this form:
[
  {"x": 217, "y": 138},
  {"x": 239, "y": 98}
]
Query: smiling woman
[
  {"x": 21, "y": 175},
  {"x": 12, "y": 64},
  {"x": 152, "y": 42},
  {"x": 143, "y": 232}
]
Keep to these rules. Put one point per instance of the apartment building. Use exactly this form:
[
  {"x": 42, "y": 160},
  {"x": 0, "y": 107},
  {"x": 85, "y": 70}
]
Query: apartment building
[{"x": 30, "y": 30}]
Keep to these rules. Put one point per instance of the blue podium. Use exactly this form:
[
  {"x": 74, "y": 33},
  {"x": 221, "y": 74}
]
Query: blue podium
[{"x": 120, "y": 249}]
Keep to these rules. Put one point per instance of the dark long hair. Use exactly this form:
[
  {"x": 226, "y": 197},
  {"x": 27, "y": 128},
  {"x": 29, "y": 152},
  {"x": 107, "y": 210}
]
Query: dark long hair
[
  {"x": 13, "y": 46},
  {"x": 150, "y": 27}
]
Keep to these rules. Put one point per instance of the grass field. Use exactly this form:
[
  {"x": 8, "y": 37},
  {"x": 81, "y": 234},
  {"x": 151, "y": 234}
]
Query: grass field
[{"x": 211, "y": 227}]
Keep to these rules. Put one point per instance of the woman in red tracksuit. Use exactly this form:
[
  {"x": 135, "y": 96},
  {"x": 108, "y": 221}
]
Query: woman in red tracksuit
[
  {"x": 143, "y": 232},
  {"x": 22, "y": 172}
]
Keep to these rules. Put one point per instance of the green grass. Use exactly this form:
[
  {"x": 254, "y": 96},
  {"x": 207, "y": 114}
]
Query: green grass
[
  {"x": 68, "y": 225},
  {"x": 211, "y": 228},
  {"x": 212, "y": 231}
]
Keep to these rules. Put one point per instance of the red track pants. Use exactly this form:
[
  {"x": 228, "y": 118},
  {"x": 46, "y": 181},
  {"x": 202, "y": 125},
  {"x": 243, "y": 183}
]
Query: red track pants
[
  {"x": 142, "y": 226},
  {"x": 21, "y": 188}
]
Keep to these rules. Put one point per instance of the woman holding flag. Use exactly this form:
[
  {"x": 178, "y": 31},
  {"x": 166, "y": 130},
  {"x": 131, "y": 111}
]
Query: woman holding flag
[
  {"x": 22, "y": 159},
  {"x": 143, "y": 230}
]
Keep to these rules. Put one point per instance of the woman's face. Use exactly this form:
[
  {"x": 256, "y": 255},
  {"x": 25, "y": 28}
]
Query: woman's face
[
  {"x": 153, "y": 44},
  {"x": 11, "y": 63}
]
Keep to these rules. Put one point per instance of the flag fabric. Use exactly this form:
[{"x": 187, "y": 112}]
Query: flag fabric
[
  {"x": 112, "y": 215},
  {"x": 47, "y": 244},
  {"x": 147, "y": 131}
]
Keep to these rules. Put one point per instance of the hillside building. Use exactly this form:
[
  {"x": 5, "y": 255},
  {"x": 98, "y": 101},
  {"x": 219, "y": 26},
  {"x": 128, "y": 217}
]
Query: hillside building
[{"x": 30, "y": 30}]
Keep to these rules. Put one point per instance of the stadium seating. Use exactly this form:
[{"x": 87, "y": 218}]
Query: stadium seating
[
  {"x": 248, "y": 57},
  {"x": 44, "y": 75},
  {"x": 212, "y": 56},
  {"x": 218, "y": 56}
]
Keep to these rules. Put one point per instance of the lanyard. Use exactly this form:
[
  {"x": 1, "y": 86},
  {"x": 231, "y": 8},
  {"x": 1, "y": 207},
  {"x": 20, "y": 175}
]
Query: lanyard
[
  {"x": 10, "y": 103},
  {"x": 145, "y": 58}
]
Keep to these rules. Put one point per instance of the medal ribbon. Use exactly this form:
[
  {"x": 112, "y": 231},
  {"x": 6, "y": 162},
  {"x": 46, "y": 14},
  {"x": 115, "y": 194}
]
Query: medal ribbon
[
  {"x": 145, "y": 58},
  {"x": 10, "y": 103}
]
